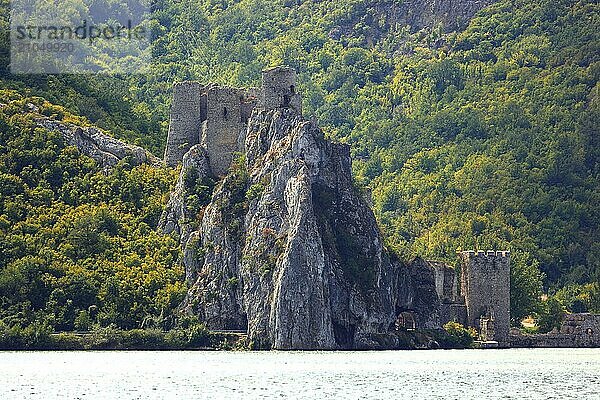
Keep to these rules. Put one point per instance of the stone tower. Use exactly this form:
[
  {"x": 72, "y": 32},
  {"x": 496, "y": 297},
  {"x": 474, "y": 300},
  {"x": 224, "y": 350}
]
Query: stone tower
[
  {"x": 185, "y": 123},
  {"x": 485, "y": 285},
  {"x": 216, "y": 117},
  {"x": 223, "y": 126},
  {"x": 279, "y": 89}
]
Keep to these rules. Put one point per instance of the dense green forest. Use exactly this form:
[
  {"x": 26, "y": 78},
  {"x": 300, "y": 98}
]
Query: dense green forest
[
  {"x": 78, "y": 245},
  {"x": 485, "y": 138}
]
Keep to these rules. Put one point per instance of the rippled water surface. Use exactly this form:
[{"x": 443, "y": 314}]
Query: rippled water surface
[{"x": 440, "y": 374}]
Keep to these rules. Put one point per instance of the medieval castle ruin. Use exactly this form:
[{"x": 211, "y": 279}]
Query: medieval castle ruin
[
  {"x": 217, "y": 116},
  {"x": 480, "y": 297}
]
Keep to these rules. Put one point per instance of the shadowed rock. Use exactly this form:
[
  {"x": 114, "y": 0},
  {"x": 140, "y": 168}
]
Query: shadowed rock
[{"x": 288, "y": 249}]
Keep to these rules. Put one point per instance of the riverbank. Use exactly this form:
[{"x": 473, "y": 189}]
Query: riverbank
[
  {"x": 197, "y": 337},
  {"x": 193, "y": 338}
]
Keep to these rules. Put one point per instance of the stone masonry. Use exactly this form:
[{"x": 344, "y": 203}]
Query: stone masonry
[
  {"x": 577, "y": 330},
  {"x": 223, "y": 126},
  {"x": 216, "y": 117},
  {"x": 279, "y": 89},
  {"x": 482, "y": 298},
  {"x": 452, "y": 304},
  {"x": 485, "y": 285},
  {"x": 184, "y": 126}
]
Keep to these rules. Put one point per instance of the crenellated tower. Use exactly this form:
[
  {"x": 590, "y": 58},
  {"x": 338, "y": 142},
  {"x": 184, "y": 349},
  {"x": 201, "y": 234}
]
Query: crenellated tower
[{"x": 485, "y": 285}]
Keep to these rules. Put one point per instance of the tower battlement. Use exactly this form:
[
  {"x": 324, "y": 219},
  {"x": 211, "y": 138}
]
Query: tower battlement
[
  {"x": 216, "y": 117},
  {"x": 485, "y": 285}
]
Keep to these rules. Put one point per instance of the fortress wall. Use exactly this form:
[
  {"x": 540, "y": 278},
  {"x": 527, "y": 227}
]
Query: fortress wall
[
  {"x": 247, "y": 106},
  {"x": 222, "y": 128},
  {"x": 452, "y": 306},
  {"x": 184, "y": 125},
  {"x": 217, "y": 116},
  {"x": 203, "y": 105},
  {"x": 485, "y": 284},
  {"x": 445, "y": 281},
  {"x": 577, "y": 330}
]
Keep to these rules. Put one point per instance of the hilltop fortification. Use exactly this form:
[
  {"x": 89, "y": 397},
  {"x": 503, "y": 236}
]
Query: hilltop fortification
[
  {"x": 285, "y": 247},
  {"x": 216, "y": 117}
]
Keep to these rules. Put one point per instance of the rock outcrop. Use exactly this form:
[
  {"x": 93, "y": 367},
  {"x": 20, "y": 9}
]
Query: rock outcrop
[
  {"x": 288, "y": 249},
  {"x": 417, "y": 293},
  {"x": 94, "y": 143},
  {"x": 418, "y": 14},
  {"x": 384, "y": 16}
]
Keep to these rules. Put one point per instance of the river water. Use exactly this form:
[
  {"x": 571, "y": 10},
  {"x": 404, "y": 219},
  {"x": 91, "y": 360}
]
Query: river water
[{"x": 439, "y": 374}]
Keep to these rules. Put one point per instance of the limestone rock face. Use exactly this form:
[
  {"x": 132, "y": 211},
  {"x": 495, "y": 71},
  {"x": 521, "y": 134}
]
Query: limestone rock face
[
  {"x": 427, "y": 13},
  {"x": 180, "y": 214},
  {"x": 288, "y": 250},
  {"x": 176, "y": 216},
  {"x": 383, "y": 16},
  {"x": 94, "y": 143},
  {"x": 417, "y": 293}
]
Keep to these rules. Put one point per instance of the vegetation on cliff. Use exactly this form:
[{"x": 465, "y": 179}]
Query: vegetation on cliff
[
  {"x": 485, "y": 138},
  {"x": 78, "y": 245}
]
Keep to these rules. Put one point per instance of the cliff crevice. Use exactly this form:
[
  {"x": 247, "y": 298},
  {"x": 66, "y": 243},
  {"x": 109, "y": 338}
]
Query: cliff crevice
[{"x": 287, "y": 248}]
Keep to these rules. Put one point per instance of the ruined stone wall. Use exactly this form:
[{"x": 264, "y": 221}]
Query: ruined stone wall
[
  {"x": 487, "y": 329},
  {"x": 445, "y": 281},
  {"x": 216, "y": 117},
  {"x": 577, "y": 330},
  {"x": 250, "y": 101},
  {"x": 452, "y": 306},
  {"x": 485, "y": 284},
  {"x": 203, "y": 105},
  {"x": 184, "y": 125},
  {"x": 279, "y": 89},
  {"x": 223, "y": 126}
]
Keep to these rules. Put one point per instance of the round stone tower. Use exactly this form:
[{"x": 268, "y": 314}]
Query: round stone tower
[{"x": 279, "y": 89}]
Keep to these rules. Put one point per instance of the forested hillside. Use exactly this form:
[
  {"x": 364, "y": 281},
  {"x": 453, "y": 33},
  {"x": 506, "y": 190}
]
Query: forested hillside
[
  {"x": 482, "y": 138},
  {"x": 78, "y": 244},
  {"x": 485, "y": 138}
]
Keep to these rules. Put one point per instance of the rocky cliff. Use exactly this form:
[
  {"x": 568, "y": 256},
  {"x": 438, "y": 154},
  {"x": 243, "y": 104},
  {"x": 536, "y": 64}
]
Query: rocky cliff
[
  {"x": 377, "y": 18},
  {"x": 104, "y": 149},
  {"x": 287, "y": 249},
  {"x": 418, "y": 14}
]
